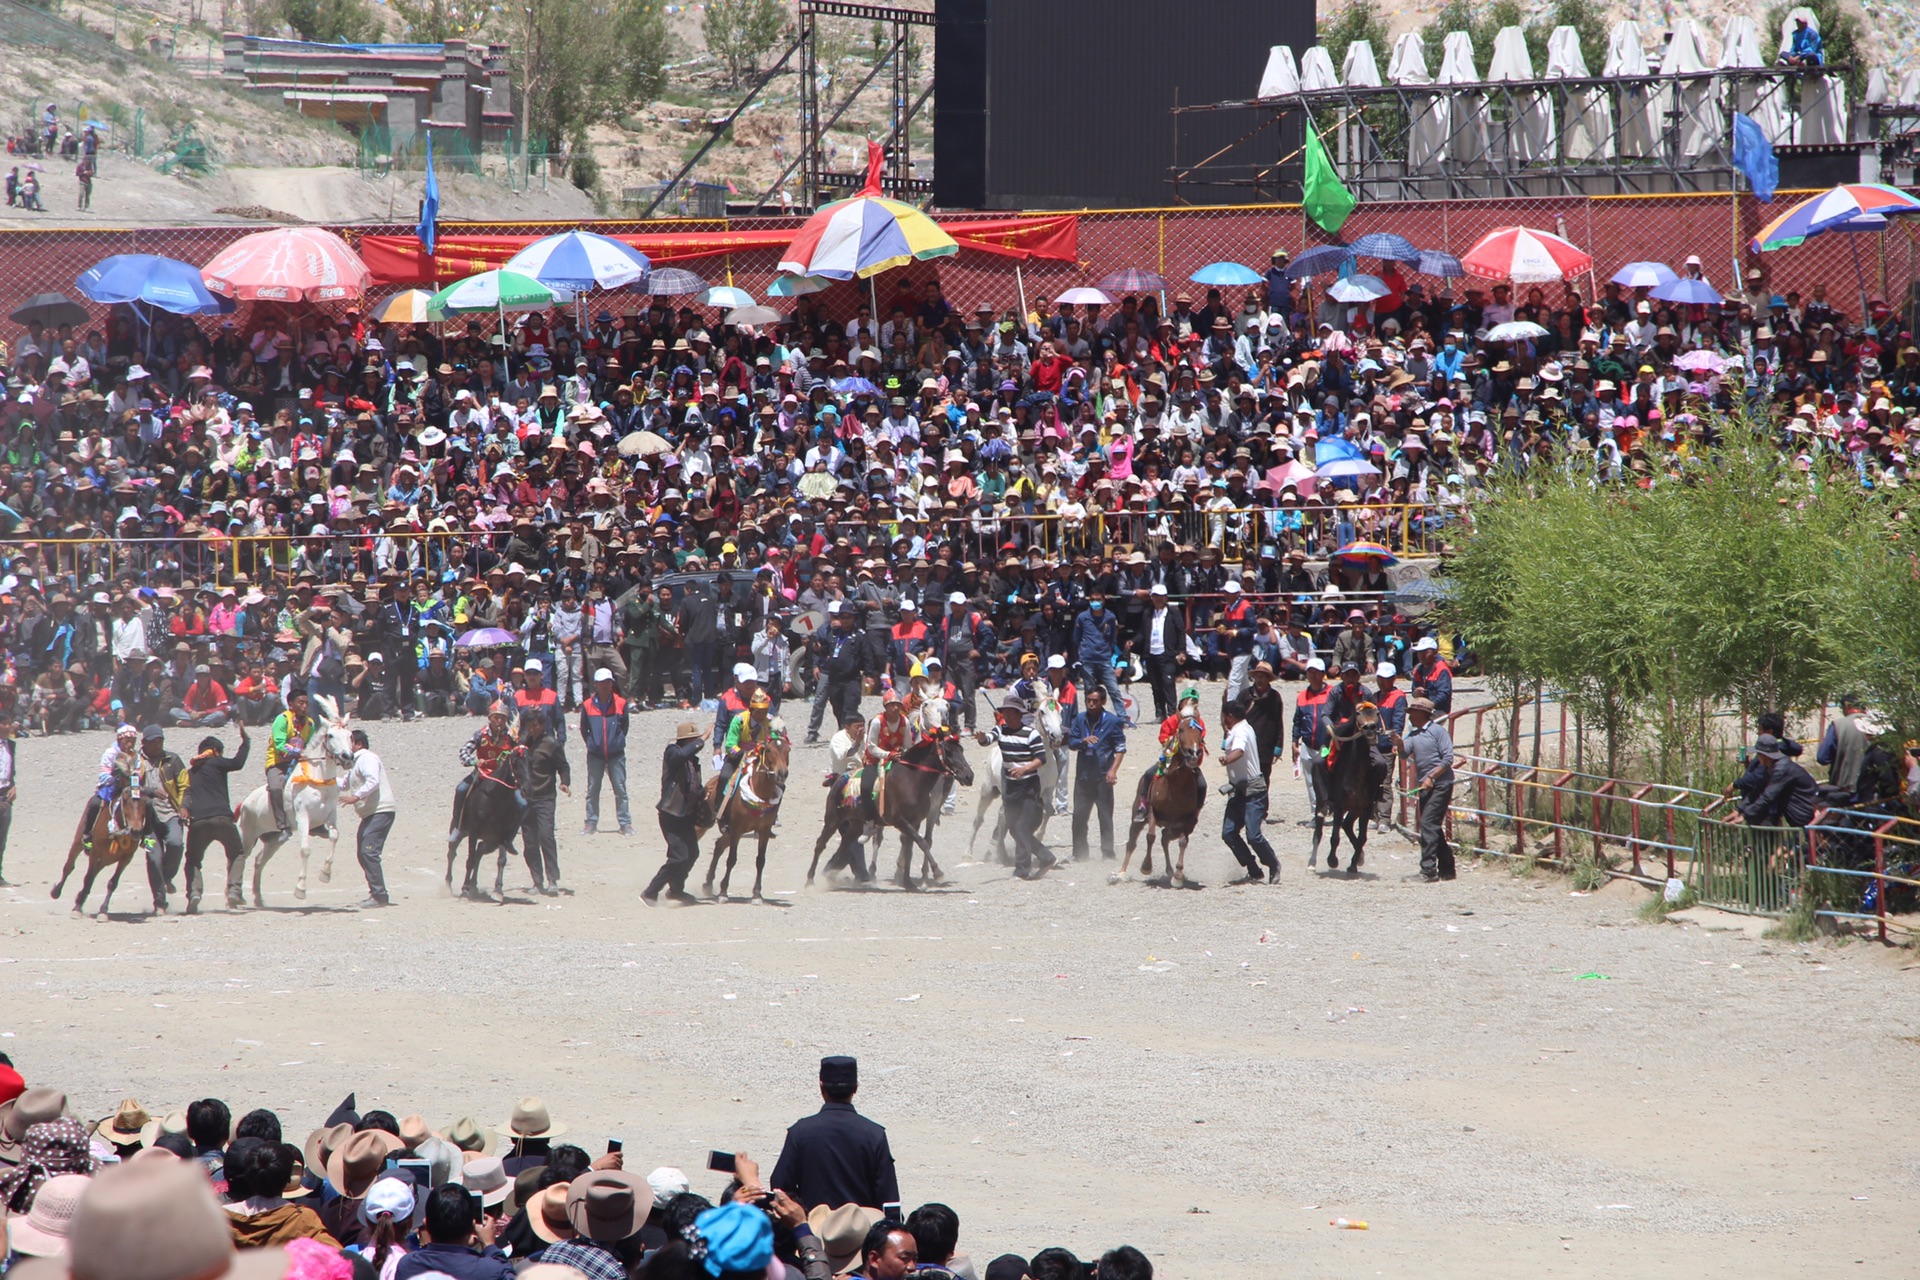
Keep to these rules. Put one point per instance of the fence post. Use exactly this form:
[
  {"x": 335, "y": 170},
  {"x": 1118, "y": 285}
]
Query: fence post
[
  {"x": 1481, "y": 806},
  {"x": 1880, "y": 872}
]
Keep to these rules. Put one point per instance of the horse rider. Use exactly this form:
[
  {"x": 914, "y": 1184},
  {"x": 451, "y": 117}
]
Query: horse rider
[
  {"x": 1311, "y": 734},
  {"x": 1021, "y": 749},
  {"x": 1188, "y": 708},
  {"x": 733, "y": 703},
  {"x": 119, "y": 764},
  {"x": 889, "y": 734},
  {"x": 285, "y": 743},
  {"x": 1348, "y": 697},
  {"x": 746, "y": 732},
  {"x": 163, "y": 782},
  {"x": 482, "y": 753}
]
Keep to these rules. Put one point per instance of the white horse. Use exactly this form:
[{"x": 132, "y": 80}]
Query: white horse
[
  {"x": 312, "y": 799},
  {"x": 1052, "y": 725}
]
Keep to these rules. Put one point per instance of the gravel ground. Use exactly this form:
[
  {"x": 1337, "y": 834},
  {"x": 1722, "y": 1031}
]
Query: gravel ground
[{"x": 1211, "y": 1075}]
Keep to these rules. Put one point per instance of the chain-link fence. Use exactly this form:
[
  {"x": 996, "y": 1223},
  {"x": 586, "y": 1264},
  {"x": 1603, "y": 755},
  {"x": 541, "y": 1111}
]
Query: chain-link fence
[
  {"x": 516, "y": 163},
  {"x": 1174, "y": 243}
]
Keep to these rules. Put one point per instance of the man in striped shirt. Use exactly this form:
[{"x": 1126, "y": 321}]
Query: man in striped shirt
[{"x": 1022, "y": 749}]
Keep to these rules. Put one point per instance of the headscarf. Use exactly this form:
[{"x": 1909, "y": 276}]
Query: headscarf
[{"x": 50, "y": 1148}]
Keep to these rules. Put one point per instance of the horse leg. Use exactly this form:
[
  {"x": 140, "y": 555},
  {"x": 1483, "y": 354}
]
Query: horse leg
[
  {"x": 500, "y": 872},
  {"x": 333, "y": 848},
  {"x": 827, "y": 828},
  {"x": 476, "y": 853},
  {"x": 1153, "y": 829},
  {"x": 1180, "y": 875},
  {"x": 302, "y": 830},
  {"x": 73, "y": 855},
  {"x": 987, "y": 795},
  {"x": 86, "y": 887},
  {"x": 713, "y": 862},
  {"x": 113, "y": 882},
  {"x": 269, "y": 845},
  {"x": 1358, "y": 835},
  {"x": 1333, "y": 840},
  {"x": 733, "y": 856},
  {"x": 903, "y": 869},
  {"x": 1313, "y": 858}
]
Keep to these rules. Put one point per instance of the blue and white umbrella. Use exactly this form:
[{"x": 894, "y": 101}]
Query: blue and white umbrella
[
  {"x": 1325, "y": 257},
  {"x": 796, "y": 286},
  {"x": 726, "y": 297},
  {"x": 1384, "y": 244},
  {"x": 672, "y": 282},
  {"x": 1438, "y": 262},
  {"x": 581, "y": 260},
  {"x": 1358, "y": 289},
  {"x": 1688, "y": 291},
  {"x": 1642, "y": 275}
]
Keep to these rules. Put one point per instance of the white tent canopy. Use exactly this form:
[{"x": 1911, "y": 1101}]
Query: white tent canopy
[
  {"x": 1703, "y": 121},
  {"x": 1316, "y": 71},
  {"x": 1761, "y": 99},
  {"x": 1740, "y": 43},
  {"x": 1433, "y": 118},
  {"x": 1358, "y": 68},
  {"x": 1638, "y": 136},
  {"x": 1467, "y": 143},
  {"x": 1587, "y": 131},
  {"x": 1530, "y": 131},
  {"x": 1281, "y": 79}
]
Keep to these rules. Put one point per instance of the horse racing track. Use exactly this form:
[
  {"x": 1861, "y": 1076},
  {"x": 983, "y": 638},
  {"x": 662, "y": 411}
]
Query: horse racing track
[{"x": 1501, "y": 1077}]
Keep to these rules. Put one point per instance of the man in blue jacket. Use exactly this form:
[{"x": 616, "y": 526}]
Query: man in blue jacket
[
  {"x": 1096, "y": 636},
  {"x": 604, "y": 718},
  {"x": 1100, "y": 738}
]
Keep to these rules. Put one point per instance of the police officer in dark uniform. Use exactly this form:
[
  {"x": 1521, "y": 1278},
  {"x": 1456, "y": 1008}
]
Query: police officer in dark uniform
[{"x": 837, "y": 1156}]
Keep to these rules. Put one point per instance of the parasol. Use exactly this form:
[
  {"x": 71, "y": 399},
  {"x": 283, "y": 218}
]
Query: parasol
[
  {"x": 798, "y": 286},
  {"x": 1438, "y": 262},
  {"x": 1360, "y": 288},
  {"x": 1516, "y": 331},
  {"x": 580, "y": 260},
  {"x": 487, "y": 637},
  {"x": 1525, "y": 256},
  {"x": 1085, "y": 297},
  {"x": 643, "y": 444},
  {"x": 1831, "y": 211},
  {"x": 1227, "y": 273},
  {"x": 409, "y": 306},
  {"x": 754, "y": 314},
  {"x": 1688, "y": 291},
  {"x": 865, "y": 235},
  {"x": 1701, "y": 362},
  {"x": 165, "y": 283},
  {"x": 1365, "y": 553},
  {"x": 1324, "y": 257},
  {"x": 673, "y": 282},
  {"x": 1384, "y": 245},
  {"x": 288, "y": 264},
  {"x": 1132, "y": 280},
  {"x": 498, "y": 290},
  {"x": 50, "y": 309},
  {"x": 1643, "y": 275},
  {"x": 725, "y": 296}
]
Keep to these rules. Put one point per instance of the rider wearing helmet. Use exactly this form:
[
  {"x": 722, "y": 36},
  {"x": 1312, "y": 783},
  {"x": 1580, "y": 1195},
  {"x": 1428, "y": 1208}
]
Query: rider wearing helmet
[
  {"x": 748, "y": 730},
  {"x": 889, "y": 734},
  {"x": 1187, "y": 709},
  {"x": 483, "y": 753},
  {"x": 285, "y": 743},
  {"x": 119, "y": 763}
]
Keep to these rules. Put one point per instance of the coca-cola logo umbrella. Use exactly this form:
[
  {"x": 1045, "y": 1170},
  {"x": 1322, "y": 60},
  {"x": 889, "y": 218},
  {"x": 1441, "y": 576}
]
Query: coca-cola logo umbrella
[{"x": 288, "y": 264}]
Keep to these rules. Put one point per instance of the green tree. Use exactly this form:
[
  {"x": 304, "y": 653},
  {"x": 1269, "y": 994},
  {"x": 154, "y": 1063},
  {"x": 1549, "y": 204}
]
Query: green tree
[
  {"x": 1340, "y": 30},
  {"x": 1481, "y": 25},
  {"x": 434, "y": 21},
  {"x": 578, "y": 65},
  {"x": 1842, "y": 37},
  {"x": 741, "y": 32},
  {"x": 330, "y": 21}
]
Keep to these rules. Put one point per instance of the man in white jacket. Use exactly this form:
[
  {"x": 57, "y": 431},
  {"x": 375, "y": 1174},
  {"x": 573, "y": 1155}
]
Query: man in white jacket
[{"x": 367, "y": 788}]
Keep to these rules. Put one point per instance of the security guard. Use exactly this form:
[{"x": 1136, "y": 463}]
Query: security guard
[{"x": 837, "y": 1156}]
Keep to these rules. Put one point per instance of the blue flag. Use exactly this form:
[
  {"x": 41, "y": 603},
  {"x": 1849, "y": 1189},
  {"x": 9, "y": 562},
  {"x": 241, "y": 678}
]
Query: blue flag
[
  {"x": 430, "y": 202},
  {"x": 1753, "y": 156}
]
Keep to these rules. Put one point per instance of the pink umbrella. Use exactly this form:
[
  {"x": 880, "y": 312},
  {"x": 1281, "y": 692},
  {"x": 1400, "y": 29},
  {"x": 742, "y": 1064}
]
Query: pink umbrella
[
  {"x": 1701, "y": 362},
  {"x": 288, "y": 264},
  {"x": 1297, "y": 474}
]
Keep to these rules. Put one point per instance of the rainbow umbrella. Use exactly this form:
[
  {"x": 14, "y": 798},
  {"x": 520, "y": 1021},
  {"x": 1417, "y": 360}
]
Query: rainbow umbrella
[
  {"x": 1833, "y": 211},
  {"x": 865, "y": 235},
  {"x": 1365, "y": 553}
]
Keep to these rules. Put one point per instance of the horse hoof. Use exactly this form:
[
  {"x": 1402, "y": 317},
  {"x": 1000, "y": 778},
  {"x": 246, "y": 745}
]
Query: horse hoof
[
  {"x": 1353, "y": 869},
  {"x": 259, "y": 903},
  {"x": 809, "y": 882},
  {"x": 78, "y": 912},
  {"x": 1333, "y": 862},
  {"x": 100, "y": 915},
  {"x": 759, "y": 901},
  {"x": 326, "y": 874},
  {"x": 300, "y": 892}
]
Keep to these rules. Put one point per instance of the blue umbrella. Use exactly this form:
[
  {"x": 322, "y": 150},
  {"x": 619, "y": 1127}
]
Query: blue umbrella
[
  {"x": 1435, "y": 262},
  {"x": 1347, "y": 467},
  {"x": 1384, "y": 244},
  {"x": 1642, "y": 275},
  {"x": 671, "y": 282},
  {"x": 1326, "y": 257},
  {"x": 1688, "y": 290},
  {"x": 166, "y": 283},
  {"x": 1227, "y": 273},
  {"x": 1358, "y": 289},
  {"x": 853, "y": 387}
]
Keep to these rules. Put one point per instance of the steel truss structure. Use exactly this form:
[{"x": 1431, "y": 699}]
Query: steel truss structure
[{"x": 1515, "y": 138}]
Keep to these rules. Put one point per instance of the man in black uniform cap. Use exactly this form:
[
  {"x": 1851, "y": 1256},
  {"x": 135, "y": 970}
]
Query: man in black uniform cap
[{"x": 837, "y": 1156}]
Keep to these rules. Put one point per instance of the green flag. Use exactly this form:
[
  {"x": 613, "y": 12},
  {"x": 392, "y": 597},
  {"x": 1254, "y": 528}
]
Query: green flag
[{"x": 1327, "y": 202}]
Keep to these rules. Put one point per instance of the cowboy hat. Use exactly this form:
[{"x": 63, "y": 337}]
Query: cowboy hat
[
  {"x": 35, "y": 1106},
  {"x": 414, "y": 1131},
  {"x": 323, "y": 1142},
  {"x": 466, "y": 1134},
  {"x": 352, "y": 1168},
  {"x": 609, "y": 1205},
  {"x": 153, "y": 1220},
  {"x": 530, "y": 1119},
  {"x": 842, "y": 1232},
  {"x": 487, "y": 1177},
  {"x": 547, "y": 1214},
  {"x": 130, "y": 1126}
]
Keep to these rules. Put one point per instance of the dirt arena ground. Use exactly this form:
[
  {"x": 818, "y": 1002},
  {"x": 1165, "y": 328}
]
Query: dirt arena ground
[{"x": 1503, "y": 1078}]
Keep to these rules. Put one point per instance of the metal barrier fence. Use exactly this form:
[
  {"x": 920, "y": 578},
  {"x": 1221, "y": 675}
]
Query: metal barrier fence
[
  {"x": 1173, "y": 243},
  {"x": 1551, "y": 813}
]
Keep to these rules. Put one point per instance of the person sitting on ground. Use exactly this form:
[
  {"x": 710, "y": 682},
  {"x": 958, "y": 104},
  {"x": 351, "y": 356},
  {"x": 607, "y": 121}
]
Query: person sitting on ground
[{"x": 1790, "y": 796}]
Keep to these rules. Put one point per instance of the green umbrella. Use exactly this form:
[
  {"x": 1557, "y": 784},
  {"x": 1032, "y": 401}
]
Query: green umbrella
[{"x": 495, "y": 291}]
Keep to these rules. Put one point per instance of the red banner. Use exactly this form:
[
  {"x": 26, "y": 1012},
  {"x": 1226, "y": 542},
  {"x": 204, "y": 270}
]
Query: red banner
[{"x": 400, "y": 260}]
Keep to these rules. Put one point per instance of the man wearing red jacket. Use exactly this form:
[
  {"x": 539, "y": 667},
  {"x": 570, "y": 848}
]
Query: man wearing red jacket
[{"x": 604, "y": 718}]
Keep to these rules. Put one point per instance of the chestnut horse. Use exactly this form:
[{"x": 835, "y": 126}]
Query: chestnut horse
[
  {"x": 1172, "y": 809},
  {"x": 752, "y": 809}
]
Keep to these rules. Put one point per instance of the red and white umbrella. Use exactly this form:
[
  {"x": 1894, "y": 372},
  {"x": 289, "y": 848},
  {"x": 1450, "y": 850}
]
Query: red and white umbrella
[
  {"x": 1525, "y": 256},
  {"x": 288, "y": 264}
]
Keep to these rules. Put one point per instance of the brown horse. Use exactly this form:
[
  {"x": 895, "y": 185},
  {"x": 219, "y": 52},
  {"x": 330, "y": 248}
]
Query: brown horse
[
  {"x": 914, "y": 786},
  {"x": 115, "y": 850},
  {"x": 752, "y": 809},
  {"x": 1172, "y": 809},
  {"x": 1352, "y": 784}
]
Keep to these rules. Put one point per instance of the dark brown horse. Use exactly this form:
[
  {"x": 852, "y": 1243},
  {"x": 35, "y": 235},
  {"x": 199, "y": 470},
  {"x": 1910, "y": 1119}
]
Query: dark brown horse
[
  {"x": 1353, "y": 785},
  {"x": 1172, "y": 807},
  {"x": 129, "y": 814},
  {"x": 752, "y": 809},
  {"x": 913, "y": 788}
]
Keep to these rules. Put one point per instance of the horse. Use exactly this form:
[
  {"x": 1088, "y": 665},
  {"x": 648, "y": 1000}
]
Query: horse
[
  {"x": 912, "y": 788},
  {"x": 1352, "y": 786},
  {"x": 489, "y": 820},
  {"x": 1053, "y": 729},
  {"x": 116, "y": 850},
  {"x": 313, "y": 800},
  {"x": 751, "y": 810},
  {"x": 1172, "y": 809}
]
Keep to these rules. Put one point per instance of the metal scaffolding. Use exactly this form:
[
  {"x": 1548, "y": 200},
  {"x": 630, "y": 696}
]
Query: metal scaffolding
[{"x": 1486, "y": 139}]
